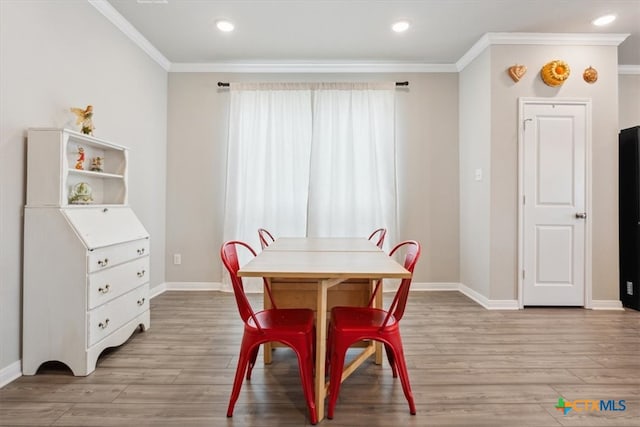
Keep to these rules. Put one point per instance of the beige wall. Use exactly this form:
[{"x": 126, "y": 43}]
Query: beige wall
[
  {"x": 629, "y": 100},
  {"x": 504, "y": 206},
  {"x": 426, "y": 123},
  {"x": 475, "y": 148},
  {"x": 55, "y": 55},
  {"x": 503, "y": 151}
]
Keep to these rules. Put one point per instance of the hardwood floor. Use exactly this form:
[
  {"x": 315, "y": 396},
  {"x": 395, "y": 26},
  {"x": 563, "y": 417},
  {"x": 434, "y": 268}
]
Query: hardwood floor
[{"x": 468, "y": 367}]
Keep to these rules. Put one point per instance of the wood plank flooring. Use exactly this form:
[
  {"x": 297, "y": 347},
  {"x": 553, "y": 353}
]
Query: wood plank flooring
[{"x": 468, "y": 367}]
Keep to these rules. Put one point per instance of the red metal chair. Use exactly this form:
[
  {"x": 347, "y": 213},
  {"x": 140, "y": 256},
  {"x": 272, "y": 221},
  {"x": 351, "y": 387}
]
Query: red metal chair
[
  {"x": 293, "y": 327},
  {"x": 352, "y": 324},
  {"x": 265, "y": 237},
  {"x": 378, "y": 236}
]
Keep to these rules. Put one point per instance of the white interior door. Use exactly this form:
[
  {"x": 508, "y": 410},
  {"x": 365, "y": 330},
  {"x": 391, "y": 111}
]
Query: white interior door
[{"x": 553, "y": 206}]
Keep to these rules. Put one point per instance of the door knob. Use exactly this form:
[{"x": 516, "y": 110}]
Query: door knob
[{"x": 581, "y": 215}]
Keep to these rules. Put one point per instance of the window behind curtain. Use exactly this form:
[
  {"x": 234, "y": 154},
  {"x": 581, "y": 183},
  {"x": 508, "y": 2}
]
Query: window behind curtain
[{"x": 310, "y": 159}]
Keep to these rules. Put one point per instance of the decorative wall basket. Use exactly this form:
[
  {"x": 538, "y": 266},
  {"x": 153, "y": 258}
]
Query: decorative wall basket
[
  {"x": 590, "y": 75},
  {"x": 554, "y": 73},
  {"x": 516, "y": 72}
]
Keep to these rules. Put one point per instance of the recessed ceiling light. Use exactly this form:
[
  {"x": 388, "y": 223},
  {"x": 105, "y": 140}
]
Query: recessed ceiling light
[
  {"x": 400, "y": 26},
  {"x": 224, "y": 25},
  {"x": 604, "y": 20}
]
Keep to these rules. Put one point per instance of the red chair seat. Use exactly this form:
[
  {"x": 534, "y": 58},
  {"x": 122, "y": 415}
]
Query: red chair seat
[
  {"x": 350, "y": 319},
  {"x": 288, "y": 319}
]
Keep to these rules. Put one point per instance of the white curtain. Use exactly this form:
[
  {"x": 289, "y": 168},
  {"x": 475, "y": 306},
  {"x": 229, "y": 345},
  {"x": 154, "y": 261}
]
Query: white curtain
[
  {"x": 352, "y": 185},
  {"x": 267, "y": 163},
  {"x": 310, "y": 160}
]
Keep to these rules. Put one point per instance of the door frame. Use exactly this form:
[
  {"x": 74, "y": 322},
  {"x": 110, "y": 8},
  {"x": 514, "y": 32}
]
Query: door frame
[{"x": 522, "y": 103}]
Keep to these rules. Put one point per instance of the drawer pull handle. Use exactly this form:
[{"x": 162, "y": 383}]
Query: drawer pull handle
[
  {"x": 141, "y": 251},
  {"x": 103, "y": 325},
  {"x": 141, "y": 301},
  {"x": 105, "y": 290},
  {"x": 140, "y": 273},
  {"x": 103, "y": 262}
]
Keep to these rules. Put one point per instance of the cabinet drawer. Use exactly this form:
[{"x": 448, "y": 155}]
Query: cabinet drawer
[
  {"x": 108, "y": 317},
  {"x": 110, "y": 283},
  {"x": 113, "y": 255}
]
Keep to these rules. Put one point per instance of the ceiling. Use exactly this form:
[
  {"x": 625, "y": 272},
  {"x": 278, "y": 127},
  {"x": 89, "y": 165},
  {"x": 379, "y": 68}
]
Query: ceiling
[{"x": 358, "y": 31}]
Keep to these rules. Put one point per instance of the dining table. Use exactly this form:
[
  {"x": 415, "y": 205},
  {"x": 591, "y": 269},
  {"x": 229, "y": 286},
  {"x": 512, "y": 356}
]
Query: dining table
[{"x": 295, "y": 265}]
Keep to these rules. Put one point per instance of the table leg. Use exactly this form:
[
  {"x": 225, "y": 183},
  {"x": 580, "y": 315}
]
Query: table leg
[
  {"x": 266, "y": 348},
  {"x": 321, "y": 346},
  {"x": 377, "y": 303}
]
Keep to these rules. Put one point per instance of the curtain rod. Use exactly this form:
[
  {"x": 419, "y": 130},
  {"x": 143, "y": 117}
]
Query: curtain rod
[{"x": 226, "y": 84}]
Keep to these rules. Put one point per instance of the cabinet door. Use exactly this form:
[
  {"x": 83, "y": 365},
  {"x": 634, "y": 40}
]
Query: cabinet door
[{"x": 99, "y": 227}]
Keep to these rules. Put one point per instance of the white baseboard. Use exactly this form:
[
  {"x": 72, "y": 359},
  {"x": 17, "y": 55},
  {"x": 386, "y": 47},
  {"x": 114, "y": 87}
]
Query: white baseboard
[
  {"x": 250, "y": 287},
  {"x": 434, "y": 286},
  {"x": 474, "y": 295},
  {"x": 603, "y": 304},
  {"x": 192, "y": 286},
  {"x": 10, "y": 373},
  {"x": 487, "y": 303},
  {"x": 157, "y": 290},
  {"x": 415, "y": 286}
]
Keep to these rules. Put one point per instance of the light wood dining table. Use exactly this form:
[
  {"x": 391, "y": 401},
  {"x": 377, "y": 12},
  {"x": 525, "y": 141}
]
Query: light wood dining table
[{"x": 324, "y": 263}]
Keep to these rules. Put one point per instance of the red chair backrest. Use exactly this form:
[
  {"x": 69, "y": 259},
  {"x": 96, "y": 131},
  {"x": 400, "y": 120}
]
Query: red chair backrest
[
  {"x": 378, "y": 234},
  {"x": 265, "y": 237},
  {"x": 229, "y": 255},
  {"x": 411, "y": 254}
]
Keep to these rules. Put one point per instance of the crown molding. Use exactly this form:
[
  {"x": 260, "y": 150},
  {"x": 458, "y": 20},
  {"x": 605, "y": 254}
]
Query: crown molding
[
  {"x": 545, "y": 39},
  {"x": 104, "y": 7},
  {"x": 317, "y": 67},
  {"x": 629, "y": 69},
  {"x": 488, "y": 39}
]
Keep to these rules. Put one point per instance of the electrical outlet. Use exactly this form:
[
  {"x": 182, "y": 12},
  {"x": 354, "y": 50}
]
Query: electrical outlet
[
  {"x": 629, "y": 288},
  {"x": 177, "y": 259}
]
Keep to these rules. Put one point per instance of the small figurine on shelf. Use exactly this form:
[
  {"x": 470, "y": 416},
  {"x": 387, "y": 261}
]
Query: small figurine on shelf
[
  {"x": 96, "y": 164},
  {"x": 84, "y": 118},
  {"x": 80, "y": 161}
]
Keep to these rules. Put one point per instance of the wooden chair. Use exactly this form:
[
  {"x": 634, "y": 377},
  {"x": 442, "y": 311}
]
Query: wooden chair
[
  {"x": 293, "y": 327},
  {"x": 352, "y": 324},
  {"x": 265, "y": 237},
  {"x": 378, "y": 236}
]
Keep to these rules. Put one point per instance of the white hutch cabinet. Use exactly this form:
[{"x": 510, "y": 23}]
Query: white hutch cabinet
[{"x": 86, "y": 254}]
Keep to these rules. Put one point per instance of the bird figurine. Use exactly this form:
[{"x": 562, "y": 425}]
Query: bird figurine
[{"x": 84, "y": 118}]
